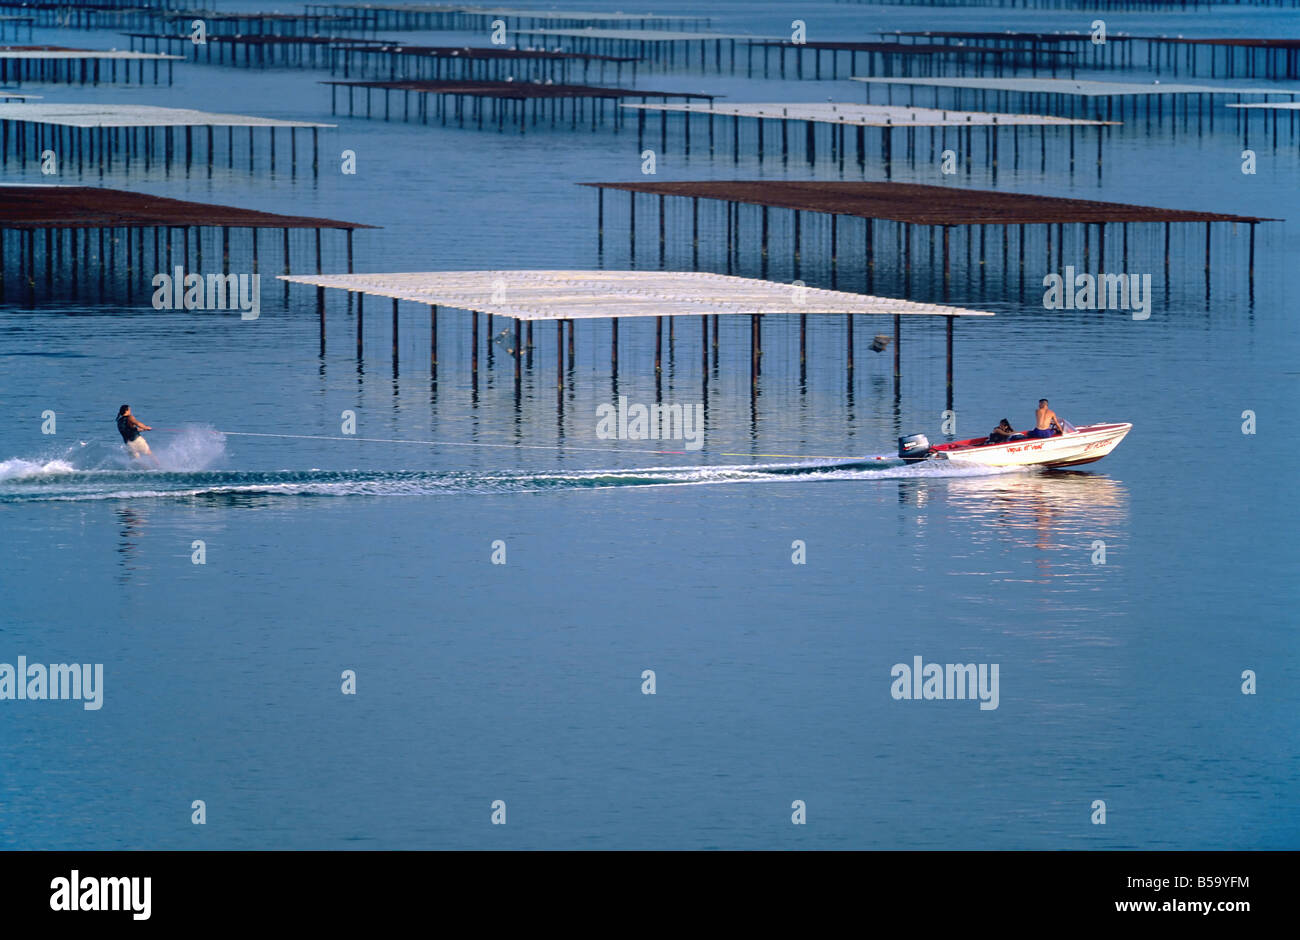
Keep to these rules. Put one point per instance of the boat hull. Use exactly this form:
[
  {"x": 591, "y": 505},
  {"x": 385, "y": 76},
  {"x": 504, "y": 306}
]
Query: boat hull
[{"x": 1085, "y": 445}]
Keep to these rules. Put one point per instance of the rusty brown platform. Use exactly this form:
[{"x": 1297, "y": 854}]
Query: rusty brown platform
[{"x": 915, "y": 204}]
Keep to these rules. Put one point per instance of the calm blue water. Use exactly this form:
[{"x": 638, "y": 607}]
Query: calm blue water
[{"x": 522, "y": 682}]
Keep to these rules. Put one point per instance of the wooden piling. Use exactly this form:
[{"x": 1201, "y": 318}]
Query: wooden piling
[
  {"x": 518, "y": 353},
  {"x": 433, "y": 335}
]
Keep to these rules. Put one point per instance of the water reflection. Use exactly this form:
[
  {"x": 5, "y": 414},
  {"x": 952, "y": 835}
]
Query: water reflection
[
  {"x": 1046, "y": 510},
  {"x": 1064, "y": 520},
  {"x": 131, "y": 522},
  {"x": 1039, "y": 541}
]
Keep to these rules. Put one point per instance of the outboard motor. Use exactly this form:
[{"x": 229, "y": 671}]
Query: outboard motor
[{"x": 914, "y": 447}]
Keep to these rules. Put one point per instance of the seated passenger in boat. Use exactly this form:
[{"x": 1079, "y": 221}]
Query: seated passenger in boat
[{"x": 1002, "y": 433}]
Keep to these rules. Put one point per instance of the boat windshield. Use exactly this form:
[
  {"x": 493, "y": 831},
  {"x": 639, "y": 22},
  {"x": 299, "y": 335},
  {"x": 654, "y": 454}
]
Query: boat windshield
[{"x": 1067, "y": 427}]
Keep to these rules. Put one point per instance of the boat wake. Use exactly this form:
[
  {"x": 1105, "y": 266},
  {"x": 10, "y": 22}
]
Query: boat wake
[
  {"x": 189, "y": 450},
  {"x": 60, "y": 479}
]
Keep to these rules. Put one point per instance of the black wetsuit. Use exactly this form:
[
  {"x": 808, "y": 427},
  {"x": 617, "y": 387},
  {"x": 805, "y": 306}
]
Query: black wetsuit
[{"x": 126, "y": 427}]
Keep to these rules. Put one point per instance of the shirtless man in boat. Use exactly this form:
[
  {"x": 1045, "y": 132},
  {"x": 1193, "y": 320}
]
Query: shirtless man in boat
[
  {"x": 130, "y": 429},
  {"x": 1047, "y": 424}
]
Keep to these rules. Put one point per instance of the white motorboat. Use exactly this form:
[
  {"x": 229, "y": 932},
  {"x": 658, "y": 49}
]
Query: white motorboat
[{"x": 1076, "y": 446}]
